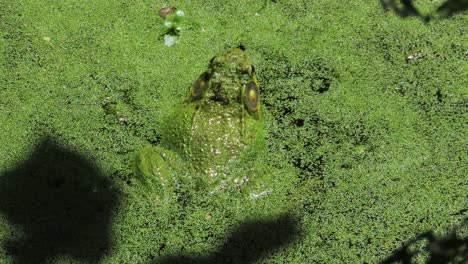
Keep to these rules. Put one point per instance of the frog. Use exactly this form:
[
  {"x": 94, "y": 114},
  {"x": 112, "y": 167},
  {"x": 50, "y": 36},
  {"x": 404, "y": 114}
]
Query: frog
[{"x": 217, "y": 125}]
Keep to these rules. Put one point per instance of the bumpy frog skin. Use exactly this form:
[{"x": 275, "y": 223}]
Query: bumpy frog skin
[{"x": 218, "y": 123}]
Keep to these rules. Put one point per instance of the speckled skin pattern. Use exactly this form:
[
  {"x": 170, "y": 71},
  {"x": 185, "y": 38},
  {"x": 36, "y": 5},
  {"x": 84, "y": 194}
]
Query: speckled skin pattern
[{"x": 219, "y": 119}]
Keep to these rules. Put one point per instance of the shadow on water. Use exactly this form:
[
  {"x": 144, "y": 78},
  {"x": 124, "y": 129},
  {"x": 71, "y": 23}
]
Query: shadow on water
[
  {"x": 447, "y": 249},
  {"x": 407, "y": 8},
  {"x": 248, "y": 243},
  {"x": 61, "y": 204}
]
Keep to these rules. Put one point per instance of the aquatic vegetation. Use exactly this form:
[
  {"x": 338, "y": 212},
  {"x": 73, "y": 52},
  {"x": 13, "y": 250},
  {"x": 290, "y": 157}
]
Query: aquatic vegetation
[
  {"x": 175, "y": 22},
  {"x": 364, "y": 113}
]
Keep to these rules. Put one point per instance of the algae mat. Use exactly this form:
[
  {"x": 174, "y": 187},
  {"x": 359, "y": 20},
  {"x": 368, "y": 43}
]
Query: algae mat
[{"x": 365, "y": 103}]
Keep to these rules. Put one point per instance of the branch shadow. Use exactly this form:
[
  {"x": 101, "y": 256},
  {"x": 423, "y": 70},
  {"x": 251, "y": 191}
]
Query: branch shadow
[
  {"x": 446, "y": 249},
  {"x": 406, "y": 8},
  {"x": 403, "y": 8},
  {"x": 59, "y": 203},
  {"x": 248, "y": 243}
]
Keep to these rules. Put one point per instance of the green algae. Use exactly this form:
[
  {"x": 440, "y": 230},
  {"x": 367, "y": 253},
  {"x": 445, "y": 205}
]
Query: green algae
[{"x": 368, "y": 149}]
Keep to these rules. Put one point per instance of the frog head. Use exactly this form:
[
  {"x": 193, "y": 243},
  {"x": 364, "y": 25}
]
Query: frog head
[{"x": 230, "y": 80}]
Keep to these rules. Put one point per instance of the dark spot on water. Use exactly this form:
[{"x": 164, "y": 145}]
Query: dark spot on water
[
  {"x": 440, "y": 96},
  {"x": 345, "y": 166},
  {"x": 299, "y": 122}
]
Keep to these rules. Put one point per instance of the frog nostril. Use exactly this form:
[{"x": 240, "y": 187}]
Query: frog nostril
[{"x": 221, "y": 99}]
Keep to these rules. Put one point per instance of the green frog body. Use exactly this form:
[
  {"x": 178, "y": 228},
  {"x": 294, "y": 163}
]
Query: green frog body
[{"x": 218, "y": 124}]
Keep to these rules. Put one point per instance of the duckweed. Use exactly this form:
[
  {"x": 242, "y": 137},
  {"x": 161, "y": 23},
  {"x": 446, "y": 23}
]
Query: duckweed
[{"x": 368, "y": 149}]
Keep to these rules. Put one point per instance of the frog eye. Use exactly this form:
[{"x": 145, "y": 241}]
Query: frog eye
[
  {"x": 199, "y": 87},
  {"x": 251, "y": 97}
]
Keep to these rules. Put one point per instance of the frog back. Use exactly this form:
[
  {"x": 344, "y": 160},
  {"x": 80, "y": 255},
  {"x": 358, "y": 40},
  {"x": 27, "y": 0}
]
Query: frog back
[{"x": 210, "y": 135}]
